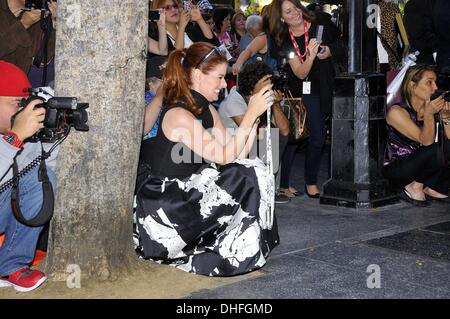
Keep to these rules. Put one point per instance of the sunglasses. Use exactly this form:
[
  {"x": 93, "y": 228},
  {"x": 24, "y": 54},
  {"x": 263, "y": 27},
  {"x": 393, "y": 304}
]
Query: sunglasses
[
  {"x": 207, "y": 55},
  {"x": 171, "y": 6}
]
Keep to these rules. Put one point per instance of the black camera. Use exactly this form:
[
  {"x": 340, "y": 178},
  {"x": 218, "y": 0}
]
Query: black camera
[
  {"x": 438, "y": 93},
  {"x": 154, "y": 15},
  {"x": 443, "y": 83},
  {"x": 280, "y": 79},
  {"x": 61, "y": 114},
  {"x": 37, "y": 4}
]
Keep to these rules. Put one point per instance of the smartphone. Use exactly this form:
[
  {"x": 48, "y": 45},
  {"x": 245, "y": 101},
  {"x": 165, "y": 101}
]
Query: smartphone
[
  {"x": 154, "y": 14},
  {"x": 187, "y": 5},
  {"x": 319, "y": 37}
]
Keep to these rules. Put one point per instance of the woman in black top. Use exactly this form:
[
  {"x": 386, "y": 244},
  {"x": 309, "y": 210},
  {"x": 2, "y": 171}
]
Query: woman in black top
[
  {"x": 311, "y": 75},
  {"x": 213, "y": 219}
]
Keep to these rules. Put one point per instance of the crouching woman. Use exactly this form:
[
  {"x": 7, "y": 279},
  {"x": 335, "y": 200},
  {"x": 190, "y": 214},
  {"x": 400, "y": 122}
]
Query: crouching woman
[
  {"x": 202, "y": 206},
  {"x": 414, "y": 162}
]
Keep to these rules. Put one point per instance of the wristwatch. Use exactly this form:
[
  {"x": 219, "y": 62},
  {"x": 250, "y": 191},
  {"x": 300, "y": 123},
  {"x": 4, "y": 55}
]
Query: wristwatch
[{"x": 13, "y": 139}]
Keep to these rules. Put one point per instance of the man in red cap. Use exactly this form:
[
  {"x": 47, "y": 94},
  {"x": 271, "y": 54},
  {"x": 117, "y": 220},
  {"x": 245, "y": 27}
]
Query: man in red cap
[{"x": 16, "y": 125}]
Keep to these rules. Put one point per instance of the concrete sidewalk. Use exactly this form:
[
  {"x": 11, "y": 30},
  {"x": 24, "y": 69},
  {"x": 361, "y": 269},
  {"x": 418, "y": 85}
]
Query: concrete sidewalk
[
  {"x": 325, "y": 252},
  {"x": 332, "y": 252}
]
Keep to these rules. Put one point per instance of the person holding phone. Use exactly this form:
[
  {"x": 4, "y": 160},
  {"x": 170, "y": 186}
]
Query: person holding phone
[
  {"x": 158, "y": 47},
  {"x": 183, "y": 28},
  {"x": 311, "y": 75}
]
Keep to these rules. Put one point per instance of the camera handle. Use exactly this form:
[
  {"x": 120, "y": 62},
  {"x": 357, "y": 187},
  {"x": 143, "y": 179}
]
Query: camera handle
[{"x": 46, "y": 212}]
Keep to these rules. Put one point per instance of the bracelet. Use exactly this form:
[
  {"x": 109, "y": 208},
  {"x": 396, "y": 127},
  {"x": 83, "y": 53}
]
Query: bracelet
[{"x": 446, "y": 122}]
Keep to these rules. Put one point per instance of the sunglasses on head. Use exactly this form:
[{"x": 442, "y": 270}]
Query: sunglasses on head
[{"x": 207, "y": 55}]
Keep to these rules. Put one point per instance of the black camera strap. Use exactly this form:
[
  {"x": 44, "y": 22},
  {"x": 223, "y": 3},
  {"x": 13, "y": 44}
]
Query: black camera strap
[
  {"x": 42, "y": 56},
  {"x": 46, "y": 212}
]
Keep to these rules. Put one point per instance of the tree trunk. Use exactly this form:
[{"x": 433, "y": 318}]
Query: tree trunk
[{"x": 99, "y": 59}]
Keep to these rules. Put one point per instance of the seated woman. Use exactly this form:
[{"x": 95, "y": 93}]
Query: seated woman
[
  {"x": 212, "y": 219},
  {"x": 412, "y": 160}
]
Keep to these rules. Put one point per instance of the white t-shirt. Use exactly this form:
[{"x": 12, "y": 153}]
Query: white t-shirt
[{"x": 233, "y": 105}]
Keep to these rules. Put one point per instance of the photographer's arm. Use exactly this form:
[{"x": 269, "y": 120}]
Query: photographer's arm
[
  {"x": 399, "y": 119},
  {"x": 254, "y": 47},
  {"x": 26, "y": 122},
  {"x": 13, "y": 36},
  {"x": 281, "y": 121},
  {"x": 159, "y": 47},
  {"x": 184, "y": 20},
  {"x": 152, "y": 111},
  {"x": 196, "y": 16}
]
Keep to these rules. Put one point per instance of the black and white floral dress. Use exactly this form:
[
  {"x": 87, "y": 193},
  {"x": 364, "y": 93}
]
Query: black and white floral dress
[{"x": 202, "y": 218}]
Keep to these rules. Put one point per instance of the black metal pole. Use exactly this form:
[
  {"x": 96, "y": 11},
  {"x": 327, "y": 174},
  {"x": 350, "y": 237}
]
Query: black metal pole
[{"x": 354, "y": 8}]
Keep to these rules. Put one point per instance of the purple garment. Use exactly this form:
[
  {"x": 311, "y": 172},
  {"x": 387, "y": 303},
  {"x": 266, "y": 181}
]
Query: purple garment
[{"x": 398, "y": 145}]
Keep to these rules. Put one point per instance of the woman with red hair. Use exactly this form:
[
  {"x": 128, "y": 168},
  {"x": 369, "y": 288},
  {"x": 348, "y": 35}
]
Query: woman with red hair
[{"x": 202, "y": 206}]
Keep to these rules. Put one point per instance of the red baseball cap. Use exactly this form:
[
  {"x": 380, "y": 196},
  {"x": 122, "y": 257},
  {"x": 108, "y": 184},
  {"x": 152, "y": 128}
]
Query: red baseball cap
[{"x": 13, "y": 81}]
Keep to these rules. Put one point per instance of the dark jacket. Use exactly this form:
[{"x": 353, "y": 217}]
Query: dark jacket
[
  {"x": 17, "y": 44},
  {"x": 419, "y": 26},
  {"x": 441, "y": 16}
]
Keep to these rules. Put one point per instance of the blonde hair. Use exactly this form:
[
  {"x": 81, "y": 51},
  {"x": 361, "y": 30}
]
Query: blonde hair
[{"x": 414, "y": 74}]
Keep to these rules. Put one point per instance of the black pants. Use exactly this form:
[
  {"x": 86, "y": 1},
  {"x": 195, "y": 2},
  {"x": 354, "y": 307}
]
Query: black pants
[
  {"x": 422, "y": 167},
  {"x": 317, "y": 133}
]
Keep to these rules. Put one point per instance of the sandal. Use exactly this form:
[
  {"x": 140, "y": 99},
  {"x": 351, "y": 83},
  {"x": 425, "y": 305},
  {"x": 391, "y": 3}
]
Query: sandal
[{"x": 286, "y": 192}]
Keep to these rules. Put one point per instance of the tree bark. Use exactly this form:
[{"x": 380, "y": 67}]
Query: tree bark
[{"x": 100, "y": 48}]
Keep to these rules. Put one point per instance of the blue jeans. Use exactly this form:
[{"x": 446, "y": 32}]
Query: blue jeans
[{"x": 19, "y": 246}]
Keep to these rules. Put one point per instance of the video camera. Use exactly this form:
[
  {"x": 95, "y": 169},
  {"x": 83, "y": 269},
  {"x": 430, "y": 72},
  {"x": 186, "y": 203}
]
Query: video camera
[
  {"x": 61, "y": 114},
  {"x": 37, "y": 4}
]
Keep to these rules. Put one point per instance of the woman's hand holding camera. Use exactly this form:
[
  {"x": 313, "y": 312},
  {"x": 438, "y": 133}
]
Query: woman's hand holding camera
[
  {"x": 161, "y": 23},
  {"x": 434, "y": 106},
  {"x": 29, "y": 120}
]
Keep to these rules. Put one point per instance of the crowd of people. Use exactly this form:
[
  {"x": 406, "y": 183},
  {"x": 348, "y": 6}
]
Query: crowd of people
[{"x": 204, "y": 200}]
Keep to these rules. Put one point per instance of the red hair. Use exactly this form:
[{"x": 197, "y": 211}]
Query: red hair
[{"x": 177, "y": 75}]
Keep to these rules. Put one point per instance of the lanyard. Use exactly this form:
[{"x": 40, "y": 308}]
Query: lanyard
[{"x": 304, "y": 56}]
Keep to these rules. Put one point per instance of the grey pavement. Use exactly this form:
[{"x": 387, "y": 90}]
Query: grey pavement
[{"x": 397, "y": 251}]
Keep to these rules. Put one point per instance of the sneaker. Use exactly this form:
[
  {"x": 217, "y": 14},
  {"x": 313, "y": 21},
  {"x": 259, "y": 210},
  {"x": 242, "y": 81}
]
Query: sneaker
[
  {"x": 281, "y": 199},
  {"x": 24, "y": 279}
]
